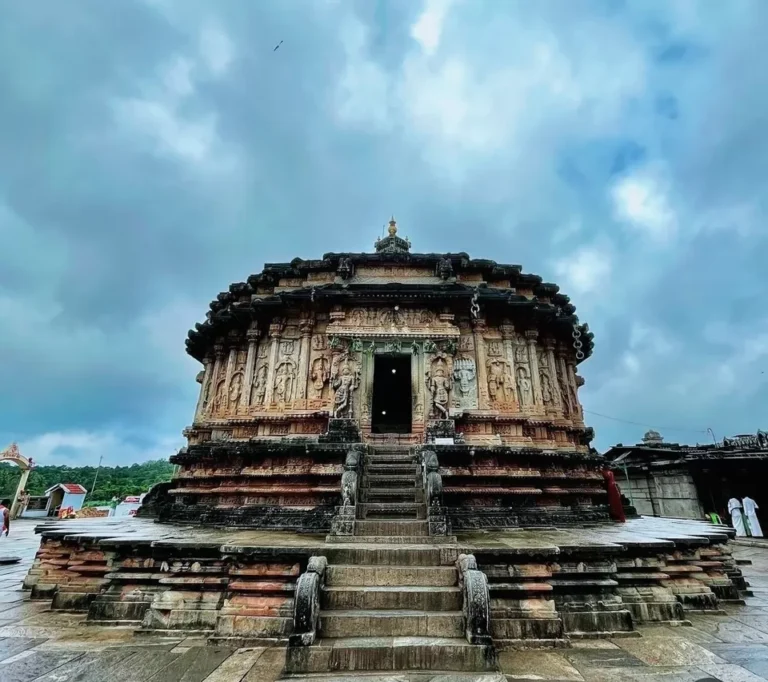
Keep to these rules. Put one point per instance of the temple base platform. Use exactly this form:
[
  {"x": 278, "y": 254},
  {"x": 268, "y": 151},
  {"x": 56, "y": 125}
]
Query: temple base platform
[{"x": 547, "y": 586}]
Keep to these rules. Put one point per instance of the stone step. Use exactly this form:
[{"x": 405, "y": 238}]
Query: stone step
[
  {"x": 390, "y": 576},
  {"x": 388, "y": 623},
  {"x": 391, "y": 653},
  {"x": 390, "y": 459},
  {"x": 398, "y": 676},
  {"x": 391, "y": 539},
  {"x": 412, "y": 494},
  {"x": 389, "y": 481},
  {"x": 373, "y": 555},
  {"x": 384, "y": 510},
  {"x": 415, "y": 598},
  {"x": 386, "y": 467},
  {"x": 377, "y": 527}
]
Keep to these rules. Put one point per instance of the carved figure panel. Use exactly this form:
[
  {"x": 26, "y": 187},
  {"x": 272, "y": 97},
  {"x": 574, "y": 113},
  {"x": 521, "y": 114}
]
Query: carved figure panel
[
  {"x": 220, "y": 398},
  {"x": 493, "y": 347},
  {"x": 345, "y": 379},
  {"x": 319, "y": 342},
  {"x": 466, "y": 343},
  {"x": 524, "y": 387},
  {"x": 465, "y": 384},
  {"x": 500, "y": 383},
  {"x": 521, "y": 352},
  {"x": 320, "y": 373},
  {"x": 546, "y": 388},
  {"x": 439, "y": 384},
  {"x": 235, "y": 391},
  {"x": 362, "y": 322},
  {"x": 259, "y": 386},
  {"x": 285, "y": 381}
]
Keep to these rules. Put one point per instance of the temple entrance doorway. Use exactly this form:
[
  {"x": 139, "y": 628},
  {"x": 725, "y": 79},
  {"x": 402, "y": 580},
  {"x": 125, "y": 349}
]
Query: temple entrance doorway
[{"x": 391, "y": 394}]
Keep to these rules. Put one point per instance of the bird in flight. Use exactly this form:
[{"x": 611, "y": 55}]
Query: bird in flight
[{"x": 278, "y": 45}]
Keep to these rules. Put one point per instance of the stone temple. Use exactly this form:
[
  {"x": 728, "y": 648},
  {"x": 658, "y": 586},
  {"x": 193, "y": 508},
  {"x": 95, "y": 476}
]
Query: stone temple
[{"x": 388, "y": 470}]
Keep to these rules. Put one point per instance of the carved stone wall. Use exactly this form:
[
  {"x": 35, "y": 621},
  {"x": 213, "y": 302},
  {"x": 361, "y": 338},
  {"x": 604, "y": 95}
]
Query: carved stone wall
[{"x": 491, "y": 375}]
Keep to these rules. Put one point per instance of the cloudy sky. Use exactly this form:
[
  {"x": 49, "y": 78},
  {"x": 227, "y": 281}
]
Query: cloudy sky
[{"x": 155, "y": 151}]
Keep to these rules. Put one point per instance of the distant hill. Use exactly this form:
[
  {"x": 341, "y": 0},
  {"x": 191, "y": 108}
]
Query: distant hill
[{"x": 112, "y": 481}]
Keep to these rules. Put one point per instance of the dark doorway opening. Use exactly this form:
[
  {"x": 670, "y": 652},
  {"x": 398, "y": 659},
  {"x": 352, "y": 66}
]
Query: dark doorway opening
[{"x": 391, "y": 394}]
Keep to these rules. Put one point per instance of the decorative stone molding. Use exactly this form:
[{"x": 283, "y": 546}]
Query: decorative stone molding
[
  {"x": 344, "y": 521},
  {"x": 476, "y": 603},
  {"x": 306, "y": 607},
  {"x": 433, "y": 493}
]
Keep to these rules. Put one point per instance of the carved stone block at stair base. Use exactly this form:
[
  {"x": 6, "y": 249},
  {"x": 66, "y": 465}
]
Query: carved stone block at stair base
[
  {"x": 343, "y": 522},
  {"x": 341, "y": 431}
]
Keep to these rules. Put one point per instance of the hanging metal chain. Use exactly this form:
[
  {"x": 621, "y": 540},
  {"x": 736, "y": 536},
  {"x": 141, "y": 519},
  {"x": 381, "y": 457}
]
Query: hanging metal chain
[
  {"x": 474, "y": 308},
  {"x": 577, "y": 344}
]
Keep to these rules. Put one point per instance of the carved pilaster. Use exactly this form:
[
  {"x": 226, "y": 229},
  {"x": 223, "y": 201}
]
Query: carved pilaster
[
  {"x": 253, "y": 335},
  {"x": 275, "y": 333},
  {"x": 205, "y": 388},
  {"x": 562, "y": 382},
  {"x": 305, "y": 327},
  {"x": 217, "y": 387},
  {"x": 508, "y": 336},
  {"x": 531, "y": 335},
  {"x": 478, "y": 328},
  {"x": 557, "y": 402},
  {"x": 573, "y": 390}
]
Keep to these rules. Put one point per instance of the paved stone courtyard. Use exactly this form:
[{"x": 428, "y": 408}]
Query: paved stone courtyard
[{"x": 36, "y": 644}]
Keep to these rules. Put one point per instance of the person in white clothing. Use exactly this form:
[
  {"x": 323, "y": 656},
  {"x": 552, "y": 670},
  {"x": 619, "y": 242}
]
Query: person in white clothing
[
  {"x": 734, "y": 507},
  {"x": 750, "y": 511}
]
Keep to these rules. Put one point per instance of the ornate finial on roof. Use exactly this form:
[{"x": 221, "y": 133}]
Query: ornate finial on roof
[{"x": 392, "y": 243}]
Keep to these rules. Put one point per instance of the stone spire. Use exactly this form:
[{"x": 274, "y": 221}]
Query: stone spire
[{"x": 392, "y": 243}]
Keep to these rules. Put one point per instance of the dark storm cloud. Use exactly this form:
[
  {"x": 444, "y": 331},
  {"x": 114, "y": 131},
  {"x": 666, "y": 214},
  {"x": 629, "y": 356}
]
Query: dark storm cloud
[{"x": 153, "y": 152}]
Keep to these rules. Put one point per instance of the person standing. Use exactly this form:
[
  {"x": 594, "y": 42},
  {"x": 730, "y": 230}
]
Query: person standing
[
  {"x": 737, "y": 520},
  {"x": 750, "y": 511},
  {"x": 5, "y": 517}
]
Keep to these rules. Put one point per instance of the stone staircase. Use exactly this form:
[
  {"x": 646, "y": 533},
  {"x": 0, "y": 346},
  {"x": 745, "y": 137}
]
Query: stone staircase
[{"x": 391, "y": 599}]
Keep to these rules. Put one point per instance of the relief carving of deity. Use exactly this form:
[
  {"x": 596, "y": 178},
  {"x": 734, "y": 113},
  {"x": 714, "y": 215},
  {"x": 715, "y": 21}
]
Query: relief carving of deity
[
  {"x": 464, "y": 373},
  {"x": 285, "y": 378},
  {"x": 426, "y": 317},
  {"x": 466, "y": 343},
  {"x": 494, "y": 347},
  {"x": 318, "y": 342},
  {"x": 386, "y": 317},
  {"x": 345, "y": 381},
  {"x": 500, "y": 389},
  {"x": 524, "y": 387},
  {"x": 521, "y": 352},
  {"x": 439, "y": 385},
  {"x": 357, "y": 317},
  {"x": 219, "y": 400},
  {"x": 320, "y": 374},
  {"x": 546, "y": 388},
  {"x": 543, "y": 359},
  {"x": 235, "y": 389},
  {"x": 259, "y": 387}
]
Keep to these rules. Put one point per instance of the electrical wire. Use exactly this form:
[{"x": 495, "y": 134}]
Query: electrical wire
[{"x": 650, "y": 426}]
